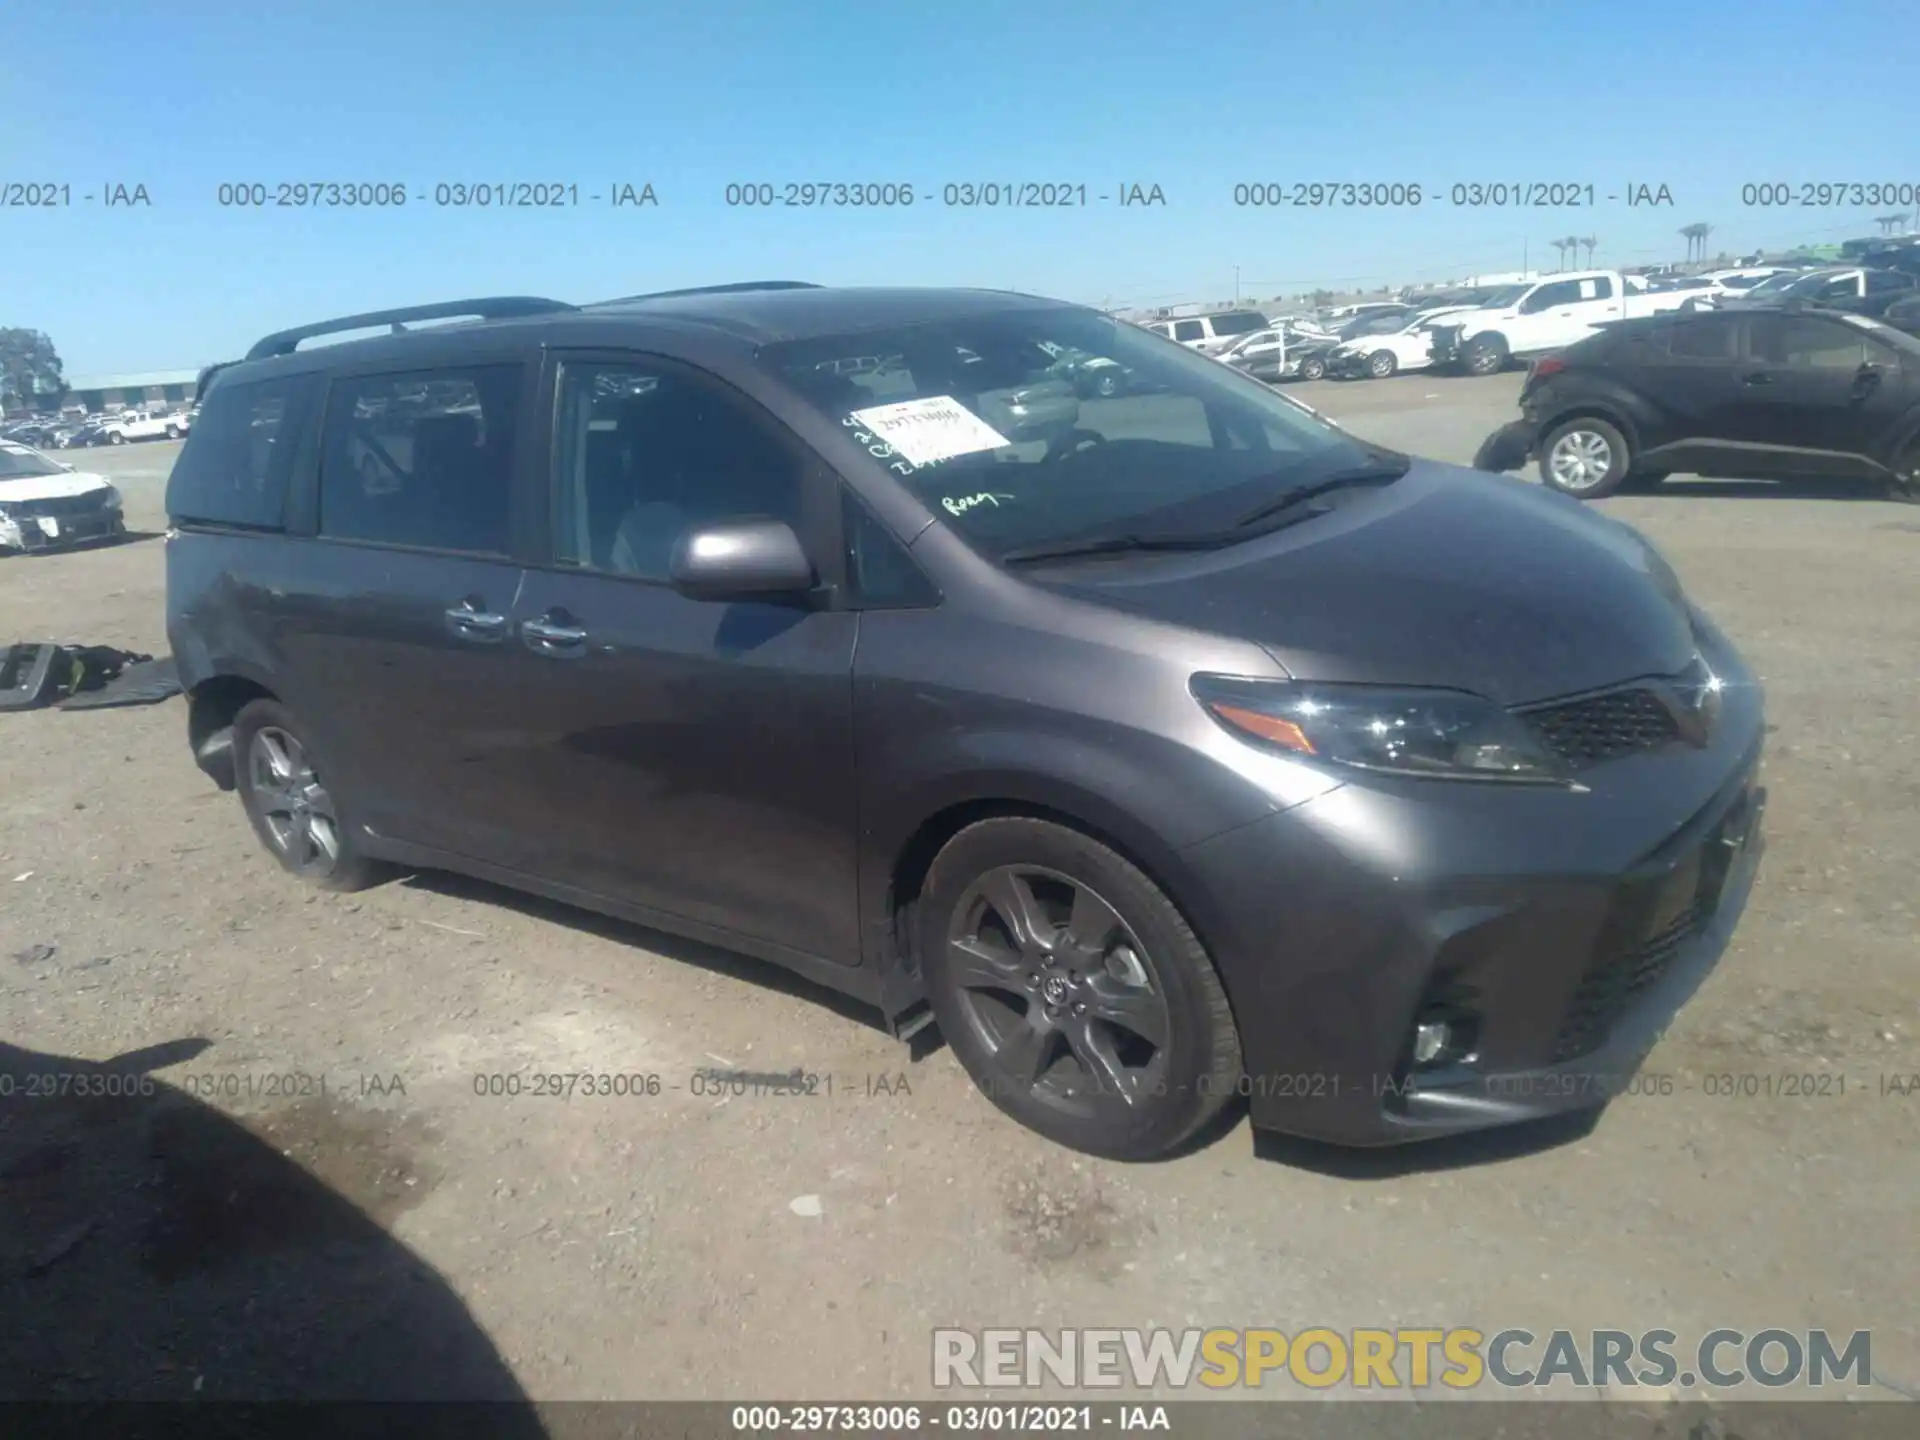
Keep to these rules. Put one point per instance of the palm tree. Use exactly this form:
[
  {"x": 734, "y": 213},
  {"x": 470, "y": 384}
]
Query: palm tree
[
  {"x": 1561, "y": 246},
  {"x": 1589, "y": 242},
  {"x": 1890, "y": 224},
  {"x": 1696, "y": 234},
  {"x": 1573, "y": 244}
]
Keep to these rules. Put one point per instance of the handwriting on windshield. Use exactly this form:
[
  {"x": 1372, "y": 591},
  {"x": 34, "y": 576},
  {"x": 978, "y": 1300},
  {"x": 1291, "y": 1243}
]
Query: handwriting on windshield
[{"x": 960, "y": 504}]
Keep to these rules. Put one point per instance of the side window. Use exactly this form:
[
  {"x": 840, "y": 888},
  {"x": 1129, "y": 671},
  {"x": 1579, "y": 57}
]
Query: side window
[
  {"x": 1808, "y": 342},
  {"x": 1598, "y": 288},
  {"x": 1563, "y": 292},
  {"x": 239, "y": 454},
  {"x": 646, "y": 453},
  {"x": 1888, "y": 282},
  {"x": 1709, "y": 337},
  {"x": 1843, "y": 288},
  {"x": 423, "y": 458},
  {"x": 881, "y": 572},
  {"x": 1240, "y": 323},
  {"x": 1189, "y": 330}
]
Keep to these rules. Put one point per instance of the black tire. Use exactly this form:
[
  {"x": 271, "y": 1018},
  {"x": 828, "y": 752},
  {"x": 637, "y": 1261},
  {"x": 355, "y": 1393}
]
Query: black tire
[
  {"x": 116, "y": 438},
  {"x": 1585, "y": 457},
  {"x": 1382, "y": 363},
  {"x": 1904, "y": 484},
  {"x": 173, "y": 432},
  {"x": 1484, "y": 355},
  {"x": 1312, "y": 368},
  {"x": 1107, "y": 385},
  {"x": 1009, "y": 1011},
  {"x": 284, "y": 821}
]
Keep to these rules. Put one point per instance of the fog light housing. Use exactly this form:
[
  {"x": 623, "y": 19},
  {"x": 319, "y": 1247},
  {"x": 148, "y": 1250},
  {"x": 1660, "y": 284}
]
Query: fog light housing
[{"x": 1430, "y": 1041}]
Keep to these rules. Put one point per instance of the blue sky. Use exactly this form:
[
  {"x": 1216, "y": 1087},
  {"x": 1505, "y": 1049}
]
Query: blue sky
[{"x": 1193, "y": 97}]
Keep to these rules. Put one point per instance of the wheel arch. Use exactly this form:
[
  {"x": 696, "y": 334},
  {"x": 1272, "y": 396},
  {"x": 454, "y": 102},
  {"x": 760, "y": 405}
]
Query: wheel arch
[
  {"x": 212, "y": 705},
  {"x": 1030, "y": 798},
  {"x": 1613, "y": 415}
]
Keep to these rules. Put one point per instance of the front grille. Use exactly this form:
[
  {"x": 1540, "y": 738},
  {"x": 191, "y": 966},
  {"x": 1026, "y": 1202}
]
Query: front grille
[
  {"x": 1605, "y": 727},
  {"x": 90, "y": 503},
  {"x": 1615, "y": 981}
]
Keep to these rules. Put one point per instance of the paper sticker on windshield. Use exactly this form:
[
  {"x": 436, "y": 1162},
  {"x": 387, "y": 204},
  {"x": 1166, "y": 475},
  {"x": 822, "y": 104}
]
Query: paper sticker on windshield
[{"x": 936, "y": 428}]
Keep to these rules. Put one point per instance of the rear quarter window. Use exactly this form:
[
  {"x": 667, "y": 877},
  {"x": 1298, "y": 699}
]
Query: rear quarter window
[{"x": 239, "y": 454}]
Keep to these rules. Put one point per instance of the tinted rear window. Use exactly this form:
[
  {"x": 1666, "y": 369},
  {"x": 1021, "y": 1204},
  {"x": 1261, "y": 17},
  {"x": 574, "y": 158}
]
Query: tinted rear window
[
  {"x": 1238, "y": 323},
  {"x": 239, "y": 454}
]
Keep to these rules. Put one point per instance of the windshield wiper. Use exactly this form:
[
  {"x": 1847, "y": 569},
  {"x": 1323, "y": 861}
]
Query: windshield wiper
[
  {"x": 1121, "y": 544},
  {"x": 1385, "y": 472}
]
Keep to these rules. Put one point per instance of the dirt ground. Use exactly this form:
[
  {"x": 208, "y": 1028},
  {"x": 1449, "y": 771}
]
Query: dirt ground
[{"x": 242, "y": 1233}]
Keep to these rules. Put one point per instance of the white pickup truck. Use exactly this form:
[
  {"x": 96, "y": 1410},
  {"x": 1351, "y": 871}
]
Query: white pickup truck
[
  {"x": 132, "y": 425},
  {"x": 1541, "y": 315}
]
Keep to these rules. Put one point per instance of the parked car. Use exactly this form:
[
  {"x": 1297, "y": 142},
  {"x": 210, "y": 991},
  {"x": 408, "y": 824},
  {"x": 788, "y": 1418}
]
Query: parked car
[
  {"x": 1384, "y": 353},
  {"x": 1212, "y": 333},
  {"x": 1216, "y": 743},
  {"x": 1336, "y": 316},
  {"x": 1536, "y": 317},
  {"x": 45, "y": 505},
  {"x": 1854, "y": 289},
  {"x": 133, "y": 425},
  {"x": 1749, "y": 394}
]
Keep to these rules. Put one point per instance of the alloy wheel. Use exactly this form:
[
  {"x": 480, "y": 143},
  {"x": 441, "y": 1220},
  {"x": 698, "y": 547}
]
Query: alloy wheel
[
  {"x": 1059, "y": 991},
  {"x": 1580, "y": 460},
  {"x": 293, "y": 804}
]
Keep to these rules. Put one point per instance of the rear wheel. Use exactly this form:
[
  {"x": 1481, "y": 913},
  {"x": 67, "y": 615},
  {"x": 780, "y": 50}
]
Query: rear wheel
[
  {"x": 1072, "y": 990},
  {"x": 287, "y": 797},
  {"x": 1312, "y": 368},
  {"x": 1585, "y": 458}
]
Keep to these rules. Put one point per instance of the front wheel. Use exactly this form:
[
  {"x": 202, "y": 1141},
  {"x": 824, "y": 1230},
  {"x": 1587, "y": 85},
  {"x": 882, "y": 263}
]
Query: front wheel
[
  {"x": 116, "y": 438},
  {"x": 296, "y": 813},
  {"x": 1312, "y": 368},
  {"x": 1585, "y": 458},
  {"x": 1382, "y": 363},
  {"x": 1904, "y": 485},
  {"x": 1485, "y": 356},
  {"x": 173, "y": 432},
  {"x": 1072, "y": 990},
  {"x": 1107, "y": 386}
]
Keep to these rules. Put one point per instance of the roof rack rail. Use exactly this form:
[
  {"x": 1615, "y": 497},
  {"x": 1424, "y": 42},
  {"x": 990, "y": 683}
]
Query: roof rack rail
[
  {"x": 497, "y": 307},
  {"x": 740, "y": 287}
]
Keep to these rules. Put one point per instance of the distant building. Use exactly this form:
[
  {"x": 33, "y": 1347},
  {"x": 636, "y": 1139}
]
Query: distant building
[{"x": 132, "y": 392}]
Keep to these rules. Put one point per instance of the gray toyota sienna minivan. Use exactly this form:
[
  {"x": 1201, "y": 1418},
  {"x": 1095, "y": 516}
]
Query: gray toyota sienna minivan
[{"x": 1166, "y": 748}]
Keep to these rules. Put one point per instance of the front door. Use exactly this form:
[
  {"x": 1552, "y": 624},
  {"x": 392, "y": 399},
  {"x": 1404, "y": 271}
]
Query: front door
[
  {"x": 1819, "y": 389},
  {"x": 700, "y": 753}
]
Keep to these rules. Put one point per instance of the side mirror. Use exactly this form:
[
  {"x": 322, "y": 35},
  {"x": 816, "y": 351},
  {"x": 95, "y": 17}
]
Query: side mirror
[{"x": 739, "y": 560}]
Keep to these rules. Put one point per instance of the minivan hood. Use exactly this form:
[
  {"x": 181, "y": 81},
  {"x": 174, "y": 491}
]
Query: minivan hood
[{"x": 1447, "y": 577}]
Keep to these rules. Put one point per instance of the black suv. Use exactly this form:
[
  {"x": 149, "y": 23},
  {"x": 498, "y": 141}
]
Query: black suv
[
  {"x": 1780, "y": 393},
  {"x": 1188, "y": 749}
]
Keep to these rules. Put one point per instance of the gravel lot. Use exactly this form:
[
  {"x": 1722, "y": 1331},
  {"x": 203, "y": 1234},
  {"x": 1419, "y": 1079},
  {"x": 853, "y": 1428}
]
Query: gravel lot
[{"x": 402, "y": 1232}]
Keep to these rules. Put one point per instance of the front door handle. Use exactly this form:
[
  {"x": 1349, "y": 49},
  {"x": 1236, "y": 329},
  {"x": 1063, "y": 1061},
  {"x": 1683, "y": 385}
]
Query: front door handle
[
  {"x": 471, "y": 621},
  {"x": 553, "y": 635}
]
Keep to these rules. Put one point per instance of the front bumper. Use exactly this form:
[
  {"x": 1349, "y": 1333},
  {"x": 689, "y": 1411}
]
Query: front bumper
[
  {"x": 1558, "y": 932},
  {"x": 31, "y": 532}
]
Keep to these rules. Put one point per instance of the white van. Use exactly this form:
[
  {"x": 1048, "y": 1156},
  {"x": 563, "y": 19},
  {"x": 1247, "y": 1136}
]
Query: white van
[{"x": 1210, "y": 334}]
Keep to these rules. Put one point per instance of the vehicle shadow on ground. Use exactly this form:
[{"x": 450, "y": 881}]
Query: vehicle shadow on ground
[
  {"x": 155, "y": 1249},
  {"x": 1809, "y": 487},
  {"x": 712, "y": 958},
  {"x": 1453, "y": 1152}
]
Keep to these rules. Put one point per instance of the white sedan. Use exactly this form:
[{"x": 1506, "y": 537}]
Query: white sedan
[
  {"x": 1378, "y": 356},
  {"x": 44, "y": 504}
]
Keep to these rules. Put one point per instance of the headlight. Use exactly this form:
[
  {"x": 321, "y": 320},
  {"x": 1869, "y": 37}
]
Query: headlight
[{"x": 1444, "y": 734}]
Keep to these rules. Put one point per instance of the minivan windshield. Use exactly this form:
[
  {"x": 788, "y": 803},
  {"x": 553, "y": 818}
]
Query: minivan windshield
[{"x": 991, "y": 433}]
